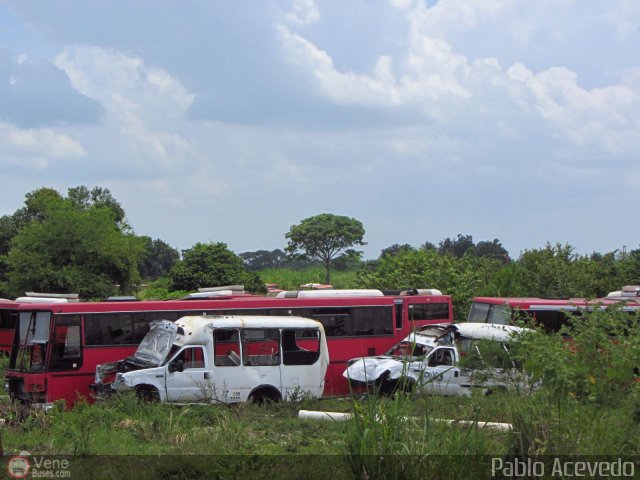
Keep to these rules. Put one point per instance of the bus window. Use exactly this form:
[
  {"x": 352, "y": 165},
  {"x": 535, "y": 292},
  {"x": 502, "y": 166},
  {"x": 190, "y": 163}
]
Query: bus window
[
  {"x": 108, "y": 329},
  {"x": 226, "y": 347},
  {"x": 66, "y": 352},
  {"x": 499, "y": 315},
  {"x": 478, "y": 313},
  {"x": 335, "y": 321},
  {"x": 261, "y": 347},
  {"x": 300, "y": 347},
  {"x": 428, "y": 311},
  {"x": 8, "y": 319},
  {"x": 352, "y": 322},
  {"x": 552, "y": 320}
]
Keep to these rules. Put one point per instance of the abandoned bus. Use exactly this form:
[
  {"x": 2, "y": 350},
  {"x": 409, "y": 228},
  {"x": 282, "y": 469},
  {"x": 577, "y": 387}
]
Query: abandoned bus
[
  {"x": 8, "y": 316},
  {"x": 550, "y": 314},
  {"x": 224, "y": 359},
  {"x": 57, "y": 346}
]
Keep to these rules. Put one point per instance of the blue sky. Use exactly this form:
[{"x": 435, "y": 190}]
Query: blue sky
[{"x": 232, "y": 121}]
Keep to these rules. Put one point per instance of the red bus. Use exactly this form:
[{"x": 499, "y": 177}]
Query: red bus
[
  {"x": 8, "y": 316},
  {"x": 57, "y": 346},
  {"x": 549, "y": 313}
]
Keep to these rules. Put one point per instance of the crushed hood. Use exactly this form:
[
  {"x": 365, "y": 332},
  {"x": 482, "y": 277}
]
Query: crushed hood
[
  {"x": 151, "y": 352},
  {"x": 370, "y": 369},
  {"x": 156, "y": 344}
]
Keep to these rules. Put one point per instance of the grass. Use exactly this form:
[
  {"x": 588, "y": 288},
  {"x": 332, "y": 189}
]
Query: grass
[
  {"x": 291, "y": 279},
  {"x": 397, "y": 437},
  {"x": 589, "y": 404}
]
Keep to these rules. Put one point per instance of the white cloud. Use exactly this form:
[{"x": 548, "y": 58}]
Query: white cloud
[
  {"x": 472, "y": 107},
  {"x": 142, "y": 103},
  {"x": 447, "y": 85},
  {"x": 304, "y": 12},
  {"x": 37, "y": 148},
  {"x": 120, "y": 80}
]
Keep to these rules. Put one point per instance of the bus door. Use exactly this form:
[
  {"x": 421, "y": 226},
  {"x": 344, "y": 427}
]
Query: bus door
[
  {"x": 187, "y": 376},
  {"x": 300, "y": 353},
  {"x": 261, "y": 357},
  {"x": 227, "y": 374},
  {"x": 33, "y": 337}
]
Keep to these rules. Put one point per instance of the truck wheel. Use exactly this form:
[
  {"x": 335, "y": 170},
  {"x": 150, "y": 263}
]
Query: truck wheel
[
  {"x": 404, "y": 385},
  {"x": 148, "y": 394}
]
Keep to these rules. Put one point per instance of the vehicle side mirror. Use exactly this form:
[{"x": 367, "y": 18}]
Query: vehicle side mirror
[{"x": 176, "y": 366}]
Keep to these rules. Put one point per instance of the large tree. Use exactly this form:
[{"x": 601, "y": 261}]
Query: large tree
[
  {"x": 212, "y": 265},
  {"x": 261, "y": 259},
  {"x": 493, "y": 249},
  {"x": 457, "y": 247},
  {"x": 157, "y": 259},
  {"x": 324, "y": 237},
  {"x": 62, "y": 247}
]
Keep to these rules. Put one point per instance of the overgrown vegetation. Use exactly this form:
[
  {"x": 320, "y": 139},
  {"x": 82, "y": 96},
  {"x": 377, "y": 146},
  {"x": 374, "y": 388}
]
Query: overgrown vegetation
[{"x": 587, "y": 403}]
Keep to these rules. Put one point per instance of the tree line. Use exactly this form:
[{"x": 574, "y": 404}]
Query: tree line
[{"x": 81, "y": 242}]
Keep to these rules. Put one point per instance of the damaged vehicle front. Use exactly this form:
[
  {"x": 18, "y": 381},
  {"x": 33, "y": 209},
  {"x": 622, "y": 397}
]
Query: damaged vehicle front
[
  {"x": 433, "y": 360},
  {"x": 413, "y": 361},
  {"x": 152, "y": 352}
]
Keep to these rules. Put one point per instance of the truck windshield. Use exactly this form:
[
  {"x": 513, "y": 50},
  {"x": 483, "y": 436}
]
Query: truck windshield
[
  {"x": 409, "y": 349},
  {"x": 31, "y": 339}
]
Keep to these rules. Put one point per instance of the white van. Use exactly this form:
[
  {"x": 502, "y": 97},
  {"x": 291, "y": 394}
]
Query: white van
[{"x": 224, "y": 359}]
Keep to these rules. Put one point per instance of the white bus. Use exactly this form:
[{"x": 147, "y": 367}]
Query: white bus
[{"x": 225, "y": 359}]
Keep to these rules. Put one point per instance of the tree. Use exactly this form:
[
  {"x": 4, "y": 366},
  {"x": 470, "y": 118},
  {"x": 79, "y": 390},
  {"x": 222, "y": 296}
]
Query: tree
[
  {"x": 212, "y": 265},
  {"x": 492, "y": 249},
  {"x": 428, "y": 246},
  {"x": 262, "y": 259},
  {"x": 457, "y": 247},
  {"x": 324, "y": 237},
  {"x": 463, "y": 278},
  {"x": 395, "y": 249},
  {"x": 63, "y": 248},
  {"x": 83, "y": 198},
  {"x": 157, "y": 258}
]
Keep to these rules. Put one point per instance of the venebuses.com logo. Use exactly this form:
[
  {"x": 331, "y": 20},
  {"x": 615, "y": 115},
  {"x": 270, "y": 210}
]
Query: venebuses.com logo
[
  {"x": 24, "y": 465},
  {"x": 18, "y": 467}
]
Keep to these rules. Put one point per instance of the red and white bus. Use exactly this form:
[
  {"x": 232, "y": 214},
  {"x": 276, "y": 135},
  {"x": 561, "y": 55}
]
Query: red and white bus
[
  {"x": 57, "y": 346},
  {"x": 549, "y": 313},
  {"x": 8, "y": 317}
]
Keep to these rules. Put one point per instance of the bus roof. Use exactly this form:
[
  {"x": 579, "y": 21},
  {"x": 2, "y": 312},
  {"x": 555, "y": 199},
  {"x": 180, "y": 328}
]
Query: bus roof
[
  {"x": 247, "y": 321},
  {"x": 221, "y": 303},
  {"x": 196, "y": 329},
  {"x": 533, "y": 302}
]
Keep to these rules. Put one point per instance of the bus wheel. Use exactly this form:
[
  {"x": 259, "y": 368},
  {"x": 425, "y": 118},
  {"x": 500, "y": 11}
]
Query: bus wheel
[
  {"x": 147, "y": 394},
  {"x": 264, "y": 395}
]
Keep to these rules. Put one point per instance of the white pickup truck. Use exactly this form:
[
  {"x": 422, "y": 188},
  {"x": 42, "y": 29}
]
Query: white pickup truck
[
  {"x": 227, "y": 359},
  {"x": 442, "y": 359}
]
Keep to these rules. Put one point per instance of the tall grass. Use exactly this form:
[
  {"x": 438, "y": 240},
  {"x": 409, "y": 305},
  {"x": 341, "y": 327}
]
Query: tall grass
[
  {"x": 291, "y": 279},
  {"x": 587, "y": 402}
]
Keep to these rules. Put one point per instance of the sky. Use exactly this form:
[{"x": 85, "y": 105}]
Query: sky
[{"x": 213, "y": 121}]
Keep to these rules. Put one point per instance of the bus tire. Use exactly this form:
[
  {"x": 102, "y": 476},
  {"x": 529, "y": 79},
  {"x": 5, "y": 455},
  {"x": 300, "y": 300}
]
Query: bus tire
[
  {"x": 147, "y": 394},
  {"x": 264, "y": 395}
]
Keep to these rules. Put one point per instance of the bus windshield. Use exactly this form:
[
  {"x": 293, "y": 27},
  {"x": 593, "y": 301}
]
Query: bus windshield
[
  {"x": 155, "y": 346},
  {"x": 32, "y": 336},
  {"x": 489, "y": 313}
]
